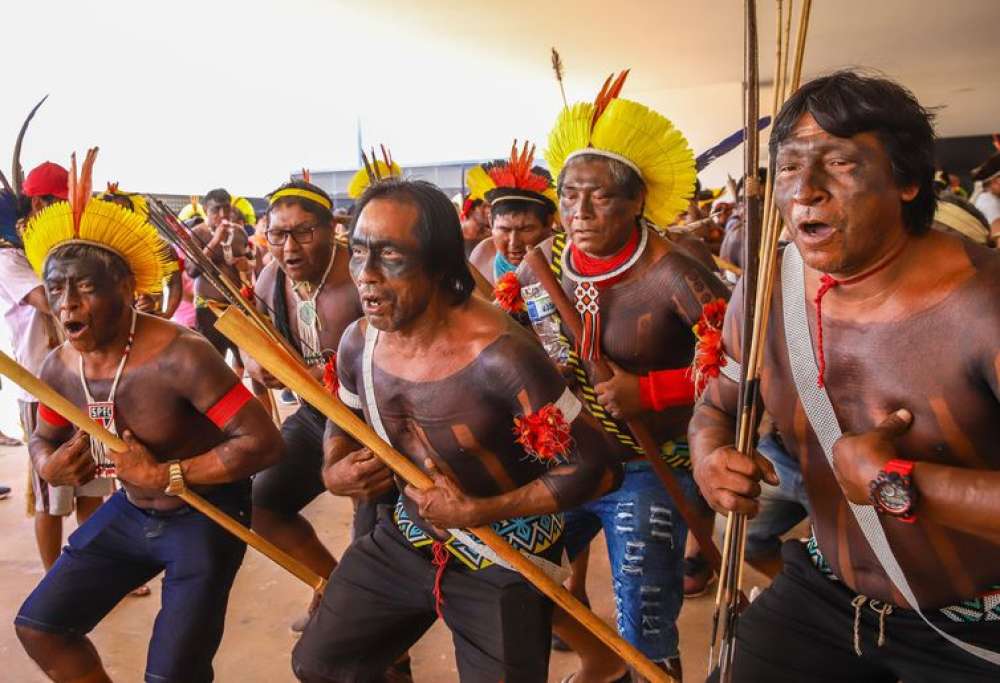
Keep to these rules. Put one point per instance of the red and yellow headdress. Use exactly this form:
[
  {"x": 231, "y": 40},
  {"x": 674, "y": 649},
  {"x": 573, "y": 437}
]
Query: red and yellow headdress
[
  {"x": 373, "y": 170},
  {"x": 635, "y": 135},
  {"x": 100, "y": 223},
  {"x": 513, "y": 178}
]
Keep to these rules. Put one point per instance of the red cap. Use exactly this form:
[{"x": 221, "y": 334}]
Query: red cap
[{"x": 47, "y": 179}]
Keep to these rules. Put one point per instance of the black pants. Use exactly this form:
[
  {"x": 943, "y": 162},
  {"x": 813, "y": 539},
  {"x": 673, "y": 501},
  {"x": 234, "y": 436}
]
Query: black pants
[
  {"x": 802, "y": 629},
  {"x": 297, "y": 479},
  {"x": 380, "y": 601}
]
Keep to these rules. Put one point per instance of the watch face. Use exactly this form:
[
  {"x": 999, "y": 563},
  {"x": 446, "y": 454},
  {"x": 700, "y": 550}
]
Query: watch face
[{"x": 893, "y": 493}]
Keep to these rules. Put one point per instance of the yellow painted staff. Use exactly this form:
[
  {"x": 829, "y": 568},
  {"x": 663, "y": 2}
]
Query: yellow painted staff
[
  {"x": 59, "y": 403},
  {"x": 273, "y": 358}
]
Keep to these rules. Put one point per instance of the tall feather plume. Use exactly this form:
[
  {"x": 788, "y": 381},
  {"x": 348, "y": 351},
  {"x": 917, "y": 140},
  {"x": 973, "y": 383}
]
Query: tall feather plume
[
  {"x": 17, "y": 173},
  {"x": 557, "y": 66},
  {"x": 80, "y": 187},
  {"x": 306, "y": 175},
  {"x": 728, "y": 144},
  {"x": 609, "y": 91},
  {"x": 368, "y": 168}
]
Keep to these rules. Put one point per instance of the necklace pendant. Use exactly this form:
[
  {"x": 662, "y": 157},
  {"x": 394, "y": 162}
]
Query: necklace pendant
[{"x": 307, "y": 312}]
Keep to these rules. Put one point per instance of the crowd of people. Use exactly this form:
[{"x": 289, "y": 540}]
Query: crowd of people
[{"x": 560, "y": 351}]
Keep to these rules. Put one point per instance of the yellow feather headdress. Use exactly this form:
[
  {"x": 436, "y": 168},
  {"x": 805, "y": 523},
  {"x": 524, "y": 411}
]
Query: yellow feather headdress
[
  {"x": 513, "y": 178},
  {"x": 243, "y": 205},
  {"x": 373, "y": 171},
  {"x": 191, "y": 210},
  {"x": 104, "y": 224},
  {"x": 129, "y": 200},
  {"x": 632, "y": 133}
]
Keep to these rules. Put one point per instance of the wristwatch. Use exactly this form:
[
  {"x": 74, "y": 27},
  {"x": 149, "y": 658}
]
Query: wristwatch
[
  {"x": 175, "y": 478},
  {"x": 892, "y": 491}
]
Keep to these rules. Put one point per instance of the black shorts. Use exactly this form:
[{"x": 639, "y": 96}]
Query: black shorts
[
  {"x": 380, "y": 601},
  {"x": 297, "y": 479},
  {"x": 802, "y": 629},
  {"x": 204, "y": 322}
]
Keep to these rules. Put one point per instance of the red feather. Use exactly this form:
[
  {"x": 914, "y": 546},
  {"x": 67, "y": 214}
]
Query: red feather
[
  {"x": 518, "y": 172},
  {"x": 544, "y": 434},
  {"x": 609, "y": 91},
  {"x": 507, "y": 293},
  {"x": 330, "y": 380},
  {"x": 709, "y": 356}
]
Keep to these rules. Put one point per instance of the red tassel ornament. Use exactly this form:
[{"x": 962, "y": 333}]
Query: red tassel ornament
[
  {"x": 544, "y": 434},
  {"x": 507, "y": 293}
]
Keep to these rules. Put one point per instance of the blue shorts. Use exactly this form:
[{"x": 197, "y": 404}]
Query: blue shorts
[
  {"x": 120, "y": 548},
  {"x": 645, "y": 534},
  {"x": 781, "y": 507}
]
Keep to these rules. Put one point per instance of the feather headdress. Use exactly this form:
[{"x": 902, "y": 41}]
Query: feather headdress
[
  {"x": 243, "y": 205},
  {"x": 133, "y": 201},
  {"x": 513, "y": 178},
  {"x": 635, "y": 135},
  {"x": 100, "y": 223},
  {"x": 372, "y": 171},
  {"x": 12, "y": 200},
  {"x": 194, "y": 208}
]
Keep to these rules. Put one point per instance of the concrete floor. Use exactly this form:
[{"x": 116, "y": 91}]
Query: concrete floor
[{"x": 265, "y": 600}]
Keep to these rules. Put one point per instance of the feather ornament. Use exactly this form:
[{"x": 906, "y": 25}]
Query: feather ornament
[
  {"x": 373, "y": 170},
  {"x": 557, "y": 67},
  {"x": 17, "y": 172}
]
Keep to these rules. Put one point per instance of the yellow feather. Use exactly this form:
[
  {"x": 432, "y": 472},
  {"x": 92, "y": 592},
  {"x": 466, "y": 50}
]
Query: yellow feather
[
  {"x": 108, "y": 225},
  {"x": 650, "y": 141},
  {"x": 571, "y": 132},
  {"x": 243, "y": 205},
  {"x": 360, "y": 182},
  {"x": 479, "y": 182}
]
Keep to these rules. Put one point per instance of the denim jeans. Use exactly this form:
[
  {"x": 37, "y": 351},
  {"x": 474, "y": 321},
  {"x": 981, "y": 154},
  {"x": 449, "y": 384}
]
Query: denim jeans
[
  {"x": 645, "y": 535},
  {"x": 782, "y": 506}
]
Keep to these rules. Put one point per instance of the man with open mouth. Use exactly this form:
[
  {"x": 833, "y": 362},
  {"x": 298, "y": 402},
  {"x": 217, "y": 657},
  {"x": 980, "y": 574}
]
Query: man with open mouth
[
  {"x": 882, "y": 373},
  {"x": 182, "y": 413},
  {"x": 461, "y": 389}
]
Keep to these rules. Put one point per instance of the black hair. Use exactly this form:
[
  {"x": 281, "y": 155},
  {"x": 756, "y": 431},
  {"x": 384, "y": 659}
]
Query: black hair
[
  {"x": 315, "y": 209},
  {"x": 543, "y": 212},
  {"x": 219, "y": 196},
  {"x": 624, "y": 176},
  {"x": 847, "y": 103},
  {"x": 110, "y": 262},
  {"x": 439, "y": 232}
]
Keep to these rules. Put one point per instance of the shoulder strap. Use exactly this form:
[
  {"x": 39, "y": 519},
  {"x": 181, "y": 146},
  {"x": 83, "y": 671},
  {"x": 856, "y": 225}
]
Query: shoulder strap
[{"x": 819, "y": 410}]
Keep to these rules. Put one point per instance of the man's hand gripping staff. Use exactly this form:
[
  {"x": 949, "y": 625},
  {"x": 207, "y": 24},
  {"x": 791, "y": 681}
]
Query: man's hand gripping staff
[
  {"x": 131, "y": 457},
  {"x": 275, "y": 359}
]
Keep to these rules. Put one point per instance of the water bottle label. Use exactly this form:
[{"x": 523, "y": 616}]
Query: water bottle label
[{"x": 540, "y": 308}]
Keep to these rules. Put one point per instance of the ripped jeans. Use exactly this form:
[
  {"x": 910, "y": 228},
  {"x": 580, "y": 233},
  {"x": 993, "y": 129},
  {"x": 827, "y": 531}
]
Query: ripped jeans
[{"x": 645, "y": 535}]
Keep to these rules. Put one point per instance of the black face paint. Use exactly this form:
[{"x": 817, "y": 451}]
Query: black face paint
[{"x": 385, "y": 257}]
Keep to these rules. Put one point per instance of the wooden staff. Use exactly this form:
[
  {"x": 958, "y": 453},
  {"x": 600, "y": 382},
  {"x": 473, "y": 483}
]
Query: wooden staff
[
  {"x": 483, "y": 286},
  {"x": 273, "y": 358},
  {"x": 70, "y": 411},
  {"x": 602, "y": 372}
]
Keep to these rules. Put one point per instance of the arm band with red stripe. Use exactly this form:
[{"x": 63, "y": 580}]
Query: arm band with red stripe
[
  {"x": 227, "y": 406},
  {"x": 662, "y": 389},
  {"x": 52, "y": 417}
]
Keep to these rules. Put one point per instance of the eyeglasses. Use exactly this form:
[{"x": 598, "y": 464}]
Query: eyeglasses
[{"x": 300, "y": 235}]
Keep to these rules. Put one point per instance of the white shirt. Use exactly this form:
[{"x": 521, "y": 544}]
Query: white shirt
[
  {"x": 989, "y": 204},
  {"x": 28, "y": 327}
]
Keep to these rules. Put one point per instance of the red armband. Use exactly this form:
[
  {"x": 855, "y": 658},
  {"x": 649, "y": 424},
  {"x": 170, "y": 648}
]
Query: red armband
[
  {"x": 52, "y": 417},
  {"x": 227, "y": 406},
  {"x": 662, "y": 389}
]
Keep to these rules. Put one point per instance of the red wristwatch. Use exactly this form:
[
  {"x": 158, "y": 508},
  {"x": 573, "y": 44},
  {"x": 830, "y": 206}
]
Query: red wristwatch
[{"x": 893, "y": 493}]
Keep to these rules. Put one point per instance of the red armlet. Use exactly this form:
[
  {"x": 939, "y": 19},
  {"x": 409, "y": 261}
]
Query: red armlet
[
  {"x": 230, "y": 404},
  {"x": 662, "y": 389},
  {"x": 52, "y": 417}
]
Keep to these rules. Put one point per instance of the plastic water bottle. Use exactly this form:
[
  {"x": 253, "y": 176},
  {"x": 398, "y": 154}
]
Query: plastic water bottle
[{"x": 545, "y": 321}]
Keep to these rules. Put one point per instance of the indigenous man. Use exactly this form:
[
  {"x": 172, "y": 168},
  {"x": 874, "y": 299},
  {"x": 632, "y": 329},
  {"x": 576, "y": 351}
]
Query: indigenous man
[
  {"x": 309, "y": 294},
  {"x": 424, "y": 347},
  {"x": 172, "y": 397},
  {"x": 475, "y": 217},
  {"x": 522, "y": 205},
  {"x": 906, "y": 503},
  {"x": 639, "y": 296},
  {"x": 33, "y": 333},
  {"x": 225, "y": 243}
]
